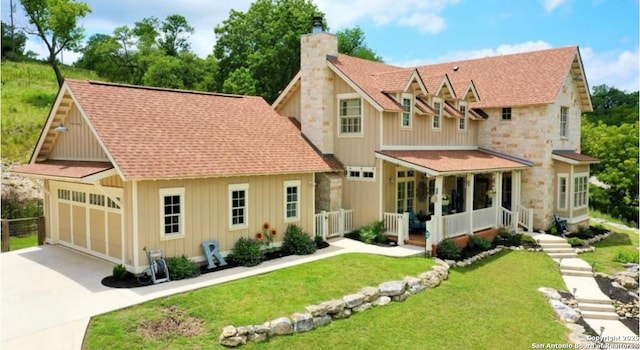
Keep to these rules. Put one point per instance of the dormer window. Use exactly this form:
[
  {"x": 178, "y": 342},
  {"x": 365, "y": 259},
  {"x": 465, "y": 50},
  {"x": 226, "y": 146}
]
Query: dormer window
[
  {"x": 462, "y": 122},
  {"x": 350, "y": 114},
  {"x": 437, "y": 116},
  {"x": 407, "y": 110}
]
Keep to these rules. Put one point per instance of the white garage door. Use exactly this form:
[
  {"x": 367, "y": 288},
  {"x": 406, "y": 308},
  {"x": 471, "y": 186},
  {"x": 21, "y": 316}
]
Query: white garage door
[{"x": 84, "y": 218}]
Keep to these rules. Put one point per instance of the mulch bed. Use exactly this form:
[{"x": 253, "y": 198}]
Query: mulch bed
[
  {"x": 130, "y": 281},
  {"x": 621, "y": 295}
]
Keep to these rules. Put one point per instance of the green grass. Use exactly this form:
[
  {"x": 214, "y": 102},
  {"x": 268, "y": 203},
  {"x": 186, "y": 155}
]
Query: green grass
[
  {"x": 16, "y": 243},
  {"x": 625, "y": 241},
  {"x": 28, "y": 92},
  {"x": 491, "y": 305}
]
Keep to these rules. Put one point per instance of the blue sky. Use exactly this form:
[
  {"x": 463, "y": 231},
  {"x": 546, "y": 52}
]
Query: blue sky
[{"x": 414, "y": 32}]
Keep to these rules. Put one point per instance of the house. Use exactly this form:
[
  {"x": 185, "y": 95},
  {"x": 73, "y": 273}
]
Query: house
[
  {"x": 474, "y": 144},
  {"x": 127, "y": 167}
]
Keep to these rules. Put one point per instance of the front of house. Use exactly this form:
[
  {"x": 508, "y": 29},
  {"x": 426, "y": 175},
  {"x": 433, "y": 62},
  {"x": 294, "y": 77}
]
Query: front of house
[
  {"x": 473, "y": 144},
  {"x": 125, "y": 168}
]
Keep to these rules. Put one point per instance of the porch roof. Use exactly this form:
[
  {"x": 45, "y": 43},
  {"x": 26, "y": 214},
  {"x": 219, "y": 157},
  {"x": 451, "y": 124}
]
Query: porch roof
[
  {"x": 573, "y": 157},
  {"x": 67, "y": 169},
  {"x": 445, "y": 162}
]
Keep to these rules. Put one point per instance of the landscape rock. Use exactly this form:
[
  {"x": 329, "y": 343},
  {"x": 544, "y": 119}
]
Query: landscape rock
[
  {"x": 344, "y": 313},
  {"x": 627, "y": 282},
  {"x": 321, "y": 321},
  {"x": 229, "y": 331},
  {"x": 232, "y": 342},
  {"x": 565, "y": 313},
  {"x": 370, "y": 294},
  {"x": 381, "y": 301},
  {"x": 392, "y": 288},
  {"x": 258, "y": 337},
  {"x": 262, "y": 328},
  {"x": 317, "y": 310},
  {"x": 353, "y": 300},
  {"x": 302, "y": 322},
  {"x": 550, "y": 293},
  {"x": 334, "y": 306},
  {"x": 414, "y": 285},
  {"x": 244, "y": 331},
  {"x": 281, "y": 326},
  {"x": 401, "y": 297},
  {"x": 362, "y": 307}
]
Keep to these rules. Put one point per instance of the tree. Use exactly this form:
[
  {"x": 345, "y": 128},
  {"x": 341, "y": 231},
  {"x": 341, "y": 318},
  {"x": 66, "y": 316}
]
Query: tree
[
  {"x": 12, "y": 42},
  {"x": 56, "y": 23},
  {"x": 175, "y": 31},
  {"x": 264, "y": 42},
  {"x": 240, "y": 82},
  {"x": 351, "y": 43}
]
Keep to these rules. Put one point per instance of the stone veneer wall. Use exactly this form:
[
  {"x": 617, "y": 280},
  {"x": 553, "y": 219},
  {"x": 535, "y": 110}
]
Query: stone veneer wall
[
  {"x": 532, "y": 134},
  {"x": 328, "y": 192}
]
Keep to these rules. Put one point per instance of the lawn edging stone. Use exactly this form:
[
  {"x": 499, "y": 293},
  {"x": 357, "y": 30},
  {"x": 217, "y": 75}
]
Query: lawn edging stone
[{"x": 321, "y": 314}]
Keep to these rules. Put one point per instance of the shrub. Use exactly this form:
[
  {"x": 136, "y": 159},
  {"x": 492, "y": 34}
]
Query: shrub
[
  {"x": 528, "y": 241},
  {"x": 246, "y": 252},
  {"x": 119, "y": 272},
  {"x": 583, "y": 233},
  {"x": 479, "y": 243},
  {"x": 355, "y": 234},
  {"x": 318, "y": 240},
  {"x": 626, "y": 257},
  {"x": 516, "y": 239},
  {"x": 182, "y": 267},
  {"x": 448, "y": 250},
  {"x": 575, "y": 242},
  {"x": 373, "y": 233},
  {"x": 297, "y": 241},
  {"x": 553, "y": 230}
]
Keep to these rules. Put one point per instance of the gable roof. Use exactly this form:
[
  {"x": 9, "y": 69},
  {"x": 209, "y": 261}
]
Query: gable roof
[
  {"x": 517, "y": 79},
  {"x": 152, "y": 133}
]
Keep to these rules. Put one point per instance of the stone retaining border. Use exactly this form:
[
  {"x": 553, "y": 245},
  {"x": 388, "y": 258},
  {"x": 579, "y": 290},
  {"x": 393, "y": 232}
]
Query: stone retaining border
[{"x": 321, "y": 314}]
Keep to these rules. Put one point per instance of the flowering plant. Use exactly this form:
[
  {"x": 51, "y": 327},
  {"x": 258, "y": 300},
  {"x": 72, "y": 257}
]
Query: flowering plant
[{"x": 266, "y": 237}]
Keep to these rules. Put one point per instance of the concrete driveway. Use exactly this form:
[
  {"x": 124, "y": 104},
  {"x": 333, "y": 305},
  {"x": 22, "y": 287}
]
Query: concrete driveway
[{"x": 49, "y": 293}]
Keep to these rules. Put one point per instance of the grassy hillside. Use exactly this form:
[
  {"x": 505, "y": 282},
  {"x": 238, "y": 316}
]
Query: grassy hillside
[{"x": 28, "y": 91}]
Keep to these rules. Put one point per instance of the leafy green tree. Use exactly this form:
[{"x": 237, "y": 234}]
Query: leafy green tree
[
  {"x": 351, "y": 43},
  {"x": 13, "y": 42},
  {"x": 56, "y": 23},
  {"x": 176, "y": 31},
  {"x": 613, "y": 106},
  {"x": 240, "y": 82},
  {"x": 265, "y": 42}
]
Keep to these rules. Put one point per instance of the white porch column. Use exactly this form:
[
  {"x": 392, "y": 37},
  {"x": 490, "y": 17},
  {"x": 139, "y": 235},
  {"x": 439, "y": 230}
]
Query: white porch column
[
  {"x": 497, "y": 197},
  {"x": 468, "y": 203},
  {"x": 515, "y": 198},
  {"x": 437, "y": 210}
]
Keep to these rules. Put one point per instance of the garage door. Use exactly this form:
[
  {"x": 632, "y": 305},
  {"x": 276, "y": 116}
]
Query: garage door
[{"x": 88, "y": 220}]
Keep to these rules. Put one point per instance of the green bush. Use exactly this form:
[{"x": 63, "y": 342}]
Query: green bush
[
  {"x": 479, "y": 243},
  {"x": 626, "y": 257},
  {"x": 528, "y": 241},
  {"x": 119, "y": 272},
  {"x": 448, "y": 250},
  {"x": 297, "y": 241},
  {"x": 182, "y": 267},
  {"x": 318, "y": 240},
  {"x": 575, "y": 242},
  {"x": 516, "y": 240},
  {"x": 246, "y": 252},
  {"x": 373, "y": 233}
]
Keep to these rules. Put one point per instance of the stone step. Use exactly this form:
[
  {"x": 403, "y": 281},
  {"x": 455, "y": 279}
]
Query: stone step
[
  {"x": 579, "y": 273},
  {"x": 554, "y": 245},
  {"x": 562, "y": 255},
  {"x": 568, "y": 266},
  {"x": 559, "y": 250},
  {"x": 593, "y": 301},
  {"x": 596, "y": 307},
  {"x": 600, "y": 315}
]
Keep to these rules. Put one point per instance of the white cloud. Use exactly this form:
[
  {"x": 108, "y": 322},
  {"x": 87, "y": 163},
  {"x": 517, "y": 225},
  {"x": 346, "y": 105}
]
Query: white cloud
[
  {"x": 425, "y": 23},
  {"x": 618, "y": 68},
  {"x": 550, "y": 5}
]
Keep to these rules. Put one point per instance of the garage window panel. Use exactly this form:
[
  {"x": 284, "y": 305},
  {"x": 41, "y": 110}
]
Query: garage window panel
[{"x": 172, "y": 212}]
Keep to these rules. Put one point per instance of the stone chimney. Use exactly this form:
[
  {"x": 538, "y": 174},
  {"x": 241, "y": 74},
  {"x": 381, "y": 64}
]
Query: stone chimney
[{"x": 317, "y": 95}]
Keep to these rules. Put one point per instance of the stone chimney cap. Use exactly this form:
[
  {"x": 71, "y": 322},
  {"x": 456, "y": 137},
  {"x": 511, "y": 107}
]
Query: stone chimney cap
[{"x": 316, "y": 23}]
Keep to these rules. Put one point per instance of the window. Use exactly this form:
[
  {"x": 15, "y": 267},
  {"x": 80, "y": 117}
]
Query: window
[
  {"x": 350, "y": 112},
  {"x": 96, "y": 199},
  {"x": 435, "y": 119},
  {"x": 462, "y": 123},
  {"x": 113, "y": 205},
  {"x": 564, "y": 121},
  {"x": 78, "y": 196},
  {"x": 172, "y": 212},
  {"x": 361, "y": 173},
  {"x": 407, "y": 111},
  {"x": 291, "y": 200},
  {"x": 405, "y": 190},
  {"x": 506, "y": 113},
  {"x": 64, "y": 194},
  {"x": 562, "y": 191},
  {"x": 580, "y": 190},
  {"x": 238, "y": 196}
]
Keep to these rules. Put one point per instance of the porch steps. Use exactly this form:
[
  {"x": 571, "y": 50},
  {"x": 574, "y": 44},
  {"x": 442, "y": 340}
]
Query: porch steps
[
  {"x": 577, "y": 268},
  {"x": 587, "y": 307},
  {"x": 557, "y": 247},
  {"x": 599, "y": 315}
]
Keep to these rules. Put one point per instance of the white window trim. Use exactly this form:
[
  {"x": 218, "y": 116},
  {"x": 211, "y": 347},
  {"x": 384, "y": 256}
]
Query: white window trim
[
  {"x": 360, "y": 173},
  {"x": 238, "y": 187},
  {"x": 411, "y": 103},
  {"x": 288, "y": 184},
  {"x": 573, "y": 190},
  {"x": 464, "y": 117},
  {"x": 564, "y": 132},
  {"x": 349, "y": 96},
  {"x": 438, "y": 113},
  {"x": 565, "y": 177},
  {"x": 177, "y": 191}
]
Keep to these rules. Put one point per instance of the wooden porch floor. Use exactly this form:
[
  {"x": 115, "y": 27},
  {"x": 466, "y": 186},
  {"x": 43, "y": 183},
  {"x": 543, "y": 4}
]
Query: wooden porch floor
[{"x": 415, "y": 238}]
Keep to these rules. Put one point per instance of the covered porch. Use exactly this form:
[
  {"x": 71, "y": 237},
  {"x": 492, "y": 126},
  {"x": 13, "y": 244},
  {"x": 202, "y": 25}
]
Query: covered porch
[{"x": 449, "y": 193}]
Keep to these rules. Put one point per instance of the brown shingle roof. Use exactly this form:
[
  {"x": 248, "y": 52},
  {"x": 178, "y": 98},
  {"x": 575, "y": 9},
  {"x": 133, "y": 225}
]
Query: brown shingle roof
[
  {"x": 451, "y": 161},
  {"x": 63, "y": 168},
  {"x": 159, "y": 134},
  {"x": 571, "y": 155}
]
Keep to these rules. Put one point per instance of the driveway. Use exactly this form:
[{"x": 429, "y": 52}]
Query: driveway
[{"x": 49, "y": 293}]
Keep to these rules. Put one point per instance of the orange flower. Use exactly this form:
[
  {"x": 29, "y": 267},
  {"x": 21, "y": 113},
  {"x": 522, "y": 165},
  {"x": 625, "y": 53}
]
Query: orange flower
[
  {"x": 265, "y": 226},
  {"x": 273, "y": 232},
  {"x": 259, "y": 235}
]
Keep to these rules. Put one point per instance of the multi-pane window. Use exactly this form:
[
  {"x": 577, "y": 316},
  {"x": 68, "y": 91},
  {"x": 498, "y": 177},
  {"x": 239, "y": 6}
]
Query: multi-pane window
[
  {"x": 506, "y": 113},
  {"x": 113, "y": 205},
  {"x": 291, "y": 200},
  {"x": 350, "y": 111},
  {"x": 562, "y": 192},
  {"x": 64, "y": 194},
  {"x": 580, "y": 191},
  {"x": 238, "y": 198},
  {"x": 96, "y": 199},
  {"x": 405, "y": 191},
  {"x": 172, "y": 210},
  {"x": 564, "y": 121},
  {"x": 435, "y": 119},
  {"x": 406, "y": 112},
  {"x": 462, "y": 123},
  {"x": 361, "y": 173},
  {"x": 78, "y": 196}
]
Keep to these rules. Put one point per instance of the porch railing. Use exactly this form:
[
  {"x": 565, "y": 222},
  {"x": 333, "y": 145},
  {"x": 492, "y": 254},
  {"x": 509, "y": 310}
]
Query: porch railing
[
  {"x": 397, "y": 225},
  {"x": 330, "y": 224},
  {"x": 484, "y": 218},
  {"x": 506, "y": 217},
  {"x": 455, "y": 224},
  {"x": 525, "y": 217}
]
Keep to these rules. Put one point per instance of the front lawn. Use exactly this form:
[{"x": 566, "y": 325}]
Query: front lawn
[
  {"x": 21, "y": 242},
  {"x": 491, "y": 305},
  {"x": 621, "y": 242}
]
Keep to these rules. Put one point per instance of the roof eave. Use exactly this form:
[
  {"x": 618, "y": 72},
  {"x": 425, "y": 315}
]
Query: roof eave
[{"x": 355, "y": 86}]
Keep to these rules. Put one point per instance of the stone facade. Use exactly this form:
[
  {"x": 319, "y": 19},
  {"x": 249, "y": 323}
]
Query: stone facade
[{"x": 328, "y": 192}]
